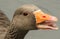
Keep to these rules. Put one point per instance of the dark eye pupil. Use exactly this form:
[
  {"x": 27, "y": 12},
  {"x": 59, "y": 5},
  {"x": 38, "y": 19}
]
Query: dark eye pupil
[{"x": 25, "y": 14}]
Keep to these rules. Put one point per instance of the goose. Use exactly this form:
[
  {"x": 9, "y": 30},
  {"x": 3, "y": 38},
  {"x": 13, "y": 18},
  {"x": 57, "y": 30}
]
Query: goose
[
  {"x": 4, "y": 23},
  {"x": 29, "y": 17}
]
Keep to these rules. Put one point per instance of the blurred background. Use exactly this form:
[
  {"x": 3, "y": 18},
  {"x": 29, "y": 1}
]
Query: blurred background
[{"x": 50, "y": 6}]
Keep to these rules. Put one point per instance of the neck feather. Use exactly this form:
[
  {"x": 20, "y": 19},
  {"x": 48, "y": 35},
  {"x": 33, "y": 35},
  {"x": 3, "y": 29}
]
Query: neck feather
[{"x": 15, "y": 33}]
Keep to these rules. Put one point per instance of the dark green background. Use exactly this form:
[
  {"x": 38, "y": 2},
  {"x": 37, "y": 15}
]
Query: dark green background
[{"x": 9, "y": 6}]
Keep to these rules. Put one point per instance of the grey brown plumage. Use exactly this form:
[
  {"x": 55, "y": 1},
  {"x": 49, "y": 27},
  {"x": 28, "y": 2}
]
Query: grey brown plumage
[
  {"x": 4, "y": 23},
  {"x": 23, "y": 21}
]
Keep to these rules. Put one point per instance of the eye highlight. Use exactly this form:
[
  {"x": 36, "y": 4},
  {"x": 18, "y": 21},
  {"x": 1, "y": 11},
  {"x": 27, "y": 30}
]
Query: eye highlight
[{"x": 25, "y": 14}]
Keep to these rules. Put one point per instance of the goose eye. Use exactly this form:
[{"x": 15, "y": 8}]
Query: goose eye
[{"x": 25, "y": 14}]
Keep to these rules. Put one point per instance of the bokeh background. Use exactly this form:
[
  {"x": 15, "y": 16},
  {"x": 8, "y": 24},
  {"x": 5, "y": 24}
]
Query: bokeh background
[{"x": 9, "y": 7}]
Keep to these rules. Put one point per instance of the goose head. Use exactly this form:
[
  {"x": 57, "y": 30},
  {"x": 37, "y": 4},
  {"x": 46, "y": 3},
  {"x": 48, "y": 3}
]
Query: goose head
[{"x": 30, "y": 17}]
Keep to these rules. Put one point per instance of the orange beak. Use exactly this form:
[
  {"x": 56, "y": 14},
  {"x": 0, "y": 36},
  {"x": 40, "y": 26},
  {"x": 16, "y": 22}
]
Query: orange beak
[{"x": 41, "y": 16}]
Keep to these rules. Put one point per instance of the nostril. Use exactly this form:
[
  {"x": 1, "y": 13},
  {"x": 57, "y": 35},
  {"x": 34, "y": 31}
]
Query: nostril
[{"x": 44, "y": 16}]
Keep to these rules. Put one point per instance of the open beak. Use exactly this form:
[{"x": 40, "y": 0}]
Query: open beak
[{"x": 45, "y": 21}]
